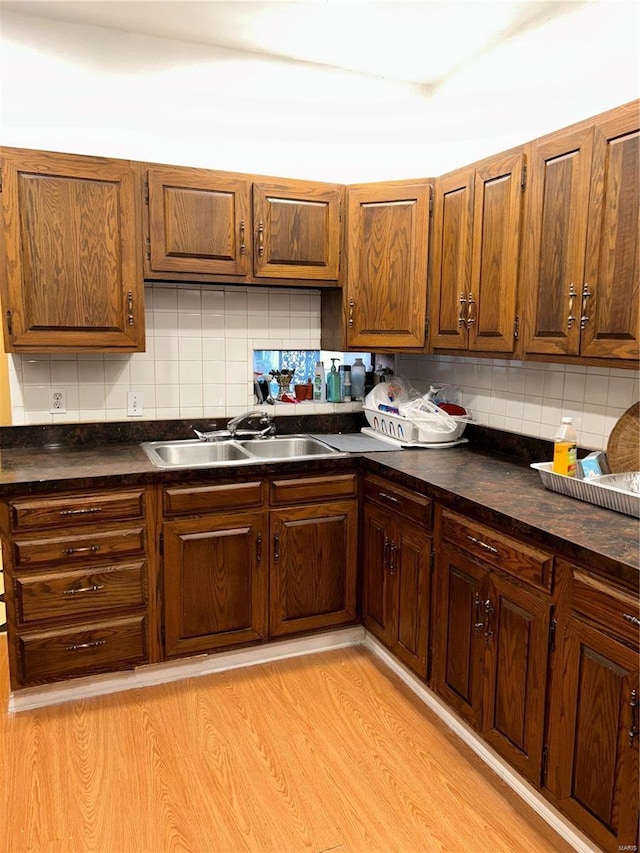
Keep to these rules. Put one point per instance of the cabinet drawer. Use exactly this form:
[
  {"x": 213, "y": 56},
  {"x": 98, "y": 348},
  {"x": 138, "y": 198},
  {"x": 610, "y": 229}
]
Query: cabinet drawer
[
  {"x": 524, "y": 562},
  {"x": 83, "y": 592},
  {"x": 83, "y": 649},
  {"x": 182, "y": 500},
  {"x": 314, "y": 489},
  {"x": 76, "y": 549},
  {"x": 406, "y": 503},
  {"x": 29, "y": 513},
  {"x": 613, "y": 609}
]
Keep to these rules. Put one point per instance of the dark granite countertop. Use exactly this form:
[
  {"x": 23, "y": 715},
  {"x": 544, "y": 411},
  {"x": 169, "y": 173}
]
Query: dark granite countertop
[{"x": 496, "y": 490}]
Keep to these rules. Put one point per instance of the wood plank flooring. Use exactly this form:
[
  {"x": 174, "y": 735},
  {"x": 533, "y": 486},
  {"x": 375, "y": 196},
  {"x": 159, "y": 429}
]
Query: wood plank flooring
[{"x": 329, "y": 752}]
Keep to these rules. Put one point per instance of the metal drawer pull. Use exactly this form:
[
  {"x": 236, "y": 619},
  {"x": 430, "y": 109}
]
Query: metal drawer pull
[
  {"x": 586, "y": 294},
  {"x": 260, "y": 239},
  {"x": 463, "y": 305},
  {"x": 81, "y": 511},
  {"x": 392, "y": 563},
  {"x": 351, "y": 304},
  {"x": 276, "y": 547},
  {"x": 92, "y": 548},
  {"x": 633, "y": 619},
  {"x": 78, "y": 646},
  {"x": 572, "y": 296},
  {"x": 385, "y": 554},
  {"x": 482, "y": 544},
  {"x": 259, "y": 548},
  {"x": 95, "y": 588},
  {"x": 243, "y": 248},
  {"x": 388, "y": 497}
]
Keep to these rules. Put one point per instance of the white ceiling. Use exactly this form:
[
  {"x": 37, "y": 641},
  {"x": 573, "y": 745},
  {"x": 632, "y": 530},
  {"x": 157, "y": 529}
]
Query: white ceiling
[{"x": 421, "y": 42}]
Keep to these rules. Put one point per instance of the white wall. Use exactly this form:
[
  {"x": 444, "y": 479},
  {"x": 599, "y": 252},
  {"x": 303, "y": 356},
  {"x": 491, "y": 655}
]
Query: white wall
[{"x": 93, "y": 90}]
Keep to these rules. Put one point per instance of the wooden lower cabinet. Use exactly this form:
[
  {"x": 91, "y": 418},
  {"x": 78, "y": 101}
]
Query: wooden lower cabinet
[
  {"x": 594, "y": 728},
  {"x": 396, "y": 563},
  {"x": 490, "y": 652},
  {"x": 215, "y": 577},
  {"x": 313, "y": 567}
]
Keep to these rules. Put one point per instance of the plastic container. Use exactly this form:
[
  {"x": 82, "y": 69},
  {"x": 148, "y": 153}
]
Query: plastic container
[
  {"x": 346, "y": 383},
  {"x": 565, "y": 449},
  {"x": 333, "y": 383},
  {"x": 358, "y": 373},
  {"x": 319, "y": 384}
]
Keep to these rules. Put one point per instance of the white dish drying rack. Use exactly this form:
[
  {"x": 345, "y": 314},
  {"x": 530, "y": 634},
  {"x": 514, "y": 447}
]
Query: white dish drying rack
[{"x": 411, "y": 421}]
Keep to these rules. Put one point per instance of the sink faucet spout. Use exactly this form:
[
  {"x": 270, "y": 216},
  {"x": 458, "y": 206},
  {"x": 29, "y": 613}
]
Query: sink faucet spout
[{"x": 265, "y": 421}]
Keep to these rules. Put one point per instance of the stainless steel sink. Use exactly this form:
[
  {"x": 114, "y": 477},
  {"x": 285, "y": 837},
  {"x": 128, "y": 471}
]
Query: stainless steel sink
[
  {"x": 288, "y": 447},
  {"x": 193, "y": 453}
]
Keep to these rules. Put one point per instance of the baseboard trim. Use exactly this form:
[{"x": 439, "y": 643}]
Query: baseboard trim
[
  {"x": 520, "y": 786},
  {"x": 31, "y": 698}
]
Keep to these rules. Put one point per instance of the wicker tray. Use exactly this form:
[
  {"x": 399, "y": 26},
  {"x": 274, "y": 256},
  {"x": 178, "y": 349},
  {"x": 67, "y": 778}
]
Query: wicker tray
[
  {"x": 583, "y": 490},
  {"x": 623, "y": 448}
]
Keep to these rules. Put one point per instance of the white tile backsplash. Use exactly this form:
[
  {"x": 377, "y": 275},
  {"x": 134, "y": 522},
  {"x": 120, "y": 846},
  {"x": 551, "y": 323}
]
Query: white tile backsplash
[
  {"x": 198, "y": 363},
  {"x": 532, "y": 398}
]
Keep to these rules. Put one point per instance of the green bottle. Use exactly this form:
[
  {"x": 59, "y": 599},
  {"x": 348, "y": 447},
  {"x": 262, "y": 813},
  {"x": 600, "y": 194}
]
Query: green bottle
[{"x": 333, "y": 383}]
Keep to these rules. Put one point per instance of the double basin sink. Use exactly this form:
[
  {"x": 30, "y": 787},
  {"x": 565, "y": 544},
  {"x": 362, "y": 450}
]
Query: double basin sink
[{"x": 194, "y": 453}]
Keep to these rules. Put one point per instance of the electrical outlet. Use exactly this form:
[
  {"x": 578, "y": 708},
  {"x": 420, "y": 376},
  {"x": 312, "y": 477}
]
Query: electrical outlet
[
  {"x": 57, "y": 401},
  {"x": 135, "y": 404}
]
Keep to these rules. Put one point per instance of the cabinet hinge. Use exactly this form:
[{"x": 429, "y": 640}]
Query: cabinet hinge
[
  {"x": 523, "y": 177},
  {"x": 552, "y": 634},
  {"x": 0, "y": 179},
  {"x": 427, "y": 326},
  {"x": 162, "y": 635},
  {"x": 161, "y": 543},
  {"x": 545, "y": 764},
  {"x": 148, "y": 243},
  {"x": 146, "y": 192},
  {"x": 516, "y": 326},
  {"x": 430, "y": 205},
  {"x": 9, "y": 323},
  {"x": 429, "y": 660},
  {"x": 432, "y": 561}
]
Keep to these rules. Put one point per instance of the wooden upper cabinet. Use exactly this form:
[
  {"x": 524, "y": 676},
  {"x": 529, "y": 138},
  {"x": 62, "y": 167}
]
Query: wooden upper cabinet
[
  {"x": 451, "y": 258},
  {"x": 198, "y": 222},
  {"x": 497, "y": 220},
  {"x": 212, "y": 224},
  {"x": 297, "y": 230},
  {"x": 609, "y": 308},
  {"x": 387, "y": 240},
  {"x": 70, "y": 251},
  {"x": 476, "y": 249},
  {"x": 555, "y": 234}
]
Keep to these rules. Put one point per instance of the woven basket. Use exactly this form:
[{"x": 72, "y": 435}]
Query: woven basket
[{"x": 623, "y": 447}]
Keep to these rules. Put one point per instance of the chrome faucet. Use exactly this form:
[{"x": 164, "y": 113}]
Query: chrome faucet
[{"x": 266, "y": 421}]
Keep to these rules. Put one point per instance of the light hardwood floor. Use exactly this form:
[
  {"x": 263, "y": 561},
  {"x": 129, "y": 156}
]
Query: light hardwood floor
[{"x": 318, "y": 753}]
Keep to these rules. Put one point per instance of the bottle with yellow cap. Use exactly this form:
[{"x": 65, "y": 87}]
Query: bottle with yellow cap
[{"x": 565, "y": 449}]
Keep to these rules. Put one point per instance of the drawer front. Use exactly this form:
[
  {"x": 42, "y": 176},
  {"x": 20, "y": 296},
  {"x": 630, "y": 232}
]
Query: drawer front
[
  {"x": 524, "y": 562},
  {"x": 82, "y": 649},
  {"x": 615, "y": 610},
  {"x": 183, "y": 500},
  {"x": 30, "y": 513},
  {"x": 83, "y": 592},
  {"x": 408, "y": 504},
  {"x": 76, "y": 549},
  {"x": 313, "y": 489}
]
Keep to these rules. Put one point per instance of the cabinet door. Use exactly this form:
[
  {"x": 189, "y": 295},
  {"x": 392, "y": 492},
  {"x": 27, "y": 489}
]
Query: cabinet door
[
  {"x": 410, "y": 563},
  {"x": 452, "y": 239},
  {"x": 215, "y": 581},
  {"x": 376, "y": 545},
  {"x": 313, "y": 567},
  {"x": 610, "y": 314},
  {"x": 517, "y": 637},
  {"x": 72, "y": 271},
  {"x": 297, "y": 231},
  {"x": 593, "y": 749},
  {"x": 459, "y": 643},
  {"x": 388, "y": 229},
  {"x": 198, "y": 222},
  {"x": 496, "y": 238},
  {"x": 555, "y": 234}
]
